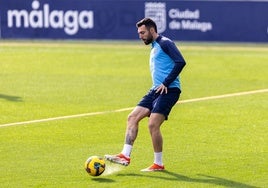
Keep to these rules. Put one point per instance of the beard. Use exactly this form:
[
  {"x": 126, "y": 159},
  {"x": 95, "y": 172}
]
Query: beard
[{"x": 149, "y": 39}]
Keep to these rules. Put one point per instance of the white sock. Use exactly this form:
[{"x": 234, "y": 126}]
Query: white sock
[
  {"x": 158, "y": 158},
  {"x": 127, "y": 150}
]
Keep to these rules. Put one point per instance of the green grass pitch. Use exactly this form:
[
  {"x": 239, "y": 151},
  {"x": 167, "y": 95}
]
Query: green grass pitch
[{"x": 210, "y": 143}]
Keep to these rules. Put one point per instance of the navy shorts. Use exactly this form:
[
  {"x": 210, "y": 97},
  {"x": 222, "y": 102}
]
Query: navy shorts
[{"x": 160, "y": 103}]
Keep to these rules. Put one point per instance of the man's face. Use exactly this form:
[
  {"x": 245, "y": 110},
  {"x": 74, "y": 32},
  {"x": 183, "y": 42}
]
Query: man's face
[{"x": 145, "y": 35}]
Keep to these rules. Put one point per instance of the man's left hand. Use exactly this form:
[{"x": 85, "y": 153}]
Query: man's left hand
[{"x": 162, "y": 89}]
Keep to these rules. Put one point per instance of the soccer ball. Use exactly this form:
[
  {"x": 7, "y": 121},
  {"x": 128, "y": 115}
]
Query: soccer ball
[{"x": 95, "y": 165}]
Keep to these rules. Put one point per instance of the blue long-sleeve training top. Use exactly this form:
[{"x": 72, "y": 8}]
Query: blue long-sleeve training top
[{"x": 166, "y": 63}]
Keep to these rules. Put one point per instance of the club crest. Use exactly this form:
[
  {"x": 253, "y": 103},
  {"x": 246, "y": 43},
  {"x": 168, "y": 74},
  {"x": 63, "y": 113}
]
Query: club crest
[{"x": 157, "y": 12}]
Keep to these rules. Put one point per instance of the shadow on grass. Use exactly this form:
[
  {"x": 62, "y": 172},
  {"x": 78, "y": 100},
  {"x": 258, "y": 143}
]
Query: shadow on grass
[
  {"x": 11, "y": 98},
  {"x": 205, "y": 179},
  {"x": 103, "y": 180}
]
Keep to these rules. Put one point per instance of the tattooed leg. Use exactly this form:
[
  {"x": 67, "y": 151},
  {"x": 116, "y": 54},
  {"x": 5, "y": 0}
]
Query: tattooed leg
[{"x": 133, "y": 123}]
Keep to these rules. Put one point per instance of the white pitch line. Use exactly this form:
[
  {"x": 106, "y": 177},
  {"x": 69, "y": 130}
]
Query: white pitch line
[
  {"x": 224, "y": 96},
  {"x": 130, "y": 108}
]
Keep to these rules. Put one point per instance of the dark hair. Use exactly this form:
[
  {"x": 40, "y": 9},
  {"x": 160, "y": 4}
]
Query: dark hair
[{"x": 148, "y": 22}]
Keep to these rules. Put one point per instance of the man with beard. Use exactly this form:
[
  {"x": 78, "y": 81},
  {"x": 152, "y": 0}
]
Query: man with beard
[{"x": 166, "y": 63}]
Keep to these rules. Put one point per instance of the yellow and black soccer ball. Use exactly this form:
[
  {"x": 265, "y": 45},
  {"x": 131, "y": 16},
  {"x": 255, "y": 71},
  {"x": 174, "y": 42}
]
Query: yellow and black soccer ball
[{"x": 95, "y": 165}]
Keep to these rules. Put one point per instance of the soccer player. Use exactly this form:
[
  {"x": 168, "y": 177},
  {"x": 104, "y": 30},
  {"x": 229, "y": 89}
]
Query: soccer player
[{"x": 166, "y": 63}]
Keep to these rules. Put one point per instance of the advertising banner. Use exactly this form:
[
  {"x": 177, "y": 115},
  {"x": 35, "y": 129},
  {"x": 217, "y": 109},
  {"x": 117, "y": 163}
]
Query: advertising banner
[{"x": 106, "y": 19}]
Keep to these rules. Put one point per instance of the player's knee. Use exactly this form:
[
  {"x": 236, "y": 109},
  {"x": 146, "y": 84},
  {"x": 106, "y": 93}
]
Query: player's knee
[
  {"x": 132, "y": 119},
  {"x": 153, "y": 127}
]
